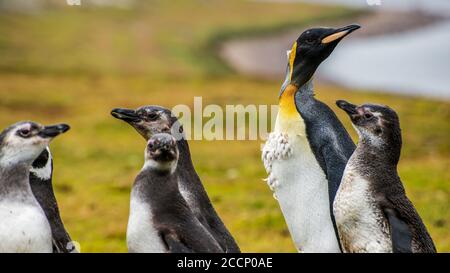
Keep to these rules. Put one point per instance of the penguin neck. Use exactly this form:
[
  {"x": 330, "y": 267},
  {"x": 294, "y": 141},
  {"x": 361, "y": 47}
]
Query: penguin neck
[
  {"x": 289, "y": 119},
  {"x": 14, "y": 180},
  {"x": 160, "y": 168},
  {"x": 41, "y": 169},
  {"x": 185, "y": 160},
  {"x": 287, "y": 98},
  {"x": 157, "y": 186},
  {"x": 371, "y": 154},
  {"x": 307, "y": 89}
]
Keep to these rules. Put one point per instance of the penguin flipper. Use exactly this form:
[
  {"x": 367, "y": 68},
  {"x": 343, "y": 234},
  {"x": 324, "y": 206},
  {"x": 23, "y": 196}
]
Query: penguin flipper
[
  {"x": 401, "y": 235},
  {"x": 42, "y": 187},
  {"x": 173, "y": 244},
  {"x": 334, "y": 165},
  {"x": 43, "y": 192}
]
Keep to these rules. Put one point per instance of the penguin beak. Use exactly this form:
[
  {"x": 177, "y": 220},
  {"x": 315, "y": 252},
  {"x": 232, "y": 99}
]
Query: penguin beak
[
  {"x": 338, "y": 34},
  {"x": 127, "y": 115},
  {"x": 53, "y": 130},
  {"x": 349, "y": 108}
]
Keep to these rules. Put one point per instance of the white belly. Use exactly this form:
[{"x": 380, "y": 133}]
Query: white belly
[
  {"x": 300, "y": 185},
  {"x": 24, "y": 229},
  {"x": 302, "y": 192},
  {"x": 360, "y": 222},
  {"x": 142, "y": 236}
]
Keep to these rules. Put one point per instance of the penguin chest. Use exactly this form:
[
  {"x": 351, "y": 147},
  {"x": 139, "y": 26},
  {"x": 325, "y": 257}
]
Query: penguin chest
[
  {"x": 24, "y": 228},
  {"x": 301, "y": 188},
  {"x": 361, "y": 225},
  {"x": 142, "y": 236}
]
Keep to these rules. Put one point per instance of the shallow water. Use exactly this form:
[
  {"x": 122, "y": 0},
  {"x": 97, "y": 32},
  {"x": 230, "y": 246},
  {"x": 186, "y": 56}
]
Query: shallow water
[{"x": 415, "y": 62}]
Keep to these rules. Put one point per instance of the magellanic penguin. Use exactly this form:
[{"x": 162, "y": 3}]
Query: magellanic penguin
[
  {"x": 41, "y": 173},
  {"x": 160, "y": 219},
  {"x": 372, "y": 211},
  {"x": 306, "y": 154},
  {"x": 150, "y": 120},
  {"x": 24, "y": 226}
]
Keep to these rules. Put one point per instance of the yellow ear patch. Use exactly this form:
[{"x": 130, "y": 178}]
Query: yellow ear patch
[
  {"x": 292, "y": 59},
  {"x": 334, "y": 36}
]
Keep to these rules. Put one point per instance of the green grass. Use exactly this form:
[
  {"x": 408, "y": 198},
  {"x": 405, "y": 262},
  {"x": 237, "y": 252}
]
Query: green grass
[{"x": 74, "y": 65}]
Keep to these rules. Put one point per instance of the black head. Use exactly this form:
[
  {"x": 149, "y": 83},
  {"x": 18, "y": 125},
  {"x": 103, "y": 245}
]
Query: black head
[
  {"x": 23, "y": 142},
  {"x": 148, "y": 120},
  {"x": 310, "y": 50},
  {"x": 376, "y": 124}
]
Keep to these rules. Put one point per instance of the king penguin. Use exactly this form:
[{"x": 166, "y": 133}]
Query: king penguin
[
  {"x": 160, "y": 219},
  {"x": 41, "y": 173},
  {"x": 306, "y": 153},
  {"x": 373, "y": 213},
  {"x": 24, "y": 226},
  {"x": 150, "y": 120}
]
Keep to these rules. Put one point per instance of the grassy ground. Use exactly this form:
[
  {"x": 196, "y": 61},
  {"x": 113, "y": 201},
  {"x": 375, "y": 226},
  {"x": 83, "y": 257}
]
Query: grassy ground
[{"x": 75, "y": 65}]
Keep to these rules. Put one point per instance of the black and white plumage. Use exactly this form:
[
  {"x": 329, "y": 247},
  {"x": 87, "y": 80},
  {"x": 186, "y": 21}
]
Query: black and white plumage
[
  {"x": 150, "y": 120},
  {"x": 160, "y": 218},
  {"x": 41, "y": 174},
  {"x": 373, "y": 213},
  {"x": 24, "y": 226},
  {"x": 306, "y": 153}
]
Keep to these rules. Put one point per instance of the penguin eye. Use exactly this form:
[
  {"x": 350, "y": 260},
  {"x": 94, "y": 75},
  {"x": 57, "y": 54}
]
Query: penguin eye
[
  {"x": 310, "y": 40},
  {"x": 24, "y": 133},
  {"x": 152, "y": 143},
  {"x": 368, "y": 115},
  {"x": 153, "y": 116}
]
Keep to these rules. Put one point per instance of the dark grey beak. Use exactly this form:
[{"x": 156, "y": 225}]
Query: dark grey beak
[
  {"x": 349, "y": 108},
  {"x": 127, "y": 115},
  {"x": 53, "y": 130},
  {"x": 338, "y": 34}
]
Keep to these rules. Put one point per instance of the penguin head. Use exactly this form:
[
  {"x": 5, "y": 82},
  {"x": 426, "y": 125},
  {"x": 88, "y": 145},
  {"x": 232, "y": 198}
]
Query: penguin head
[
  {"x": 376, "y": 124},
  {"x": 161, "y": 153},
  {"x": 310, "y": 50},
  {"x": 23, "y": 142},
  {"x": 147, "y": 120}
]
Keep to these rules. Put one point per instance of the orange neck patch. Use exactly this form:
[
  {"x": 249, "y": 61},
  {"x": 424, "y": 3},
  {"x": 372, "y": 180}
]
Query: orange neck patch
[{"x": 287, "y": 101}]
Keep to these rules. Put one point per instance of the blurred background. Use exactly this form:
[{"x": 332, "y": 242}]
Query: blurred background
[{"x": 62, "y": 63}]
